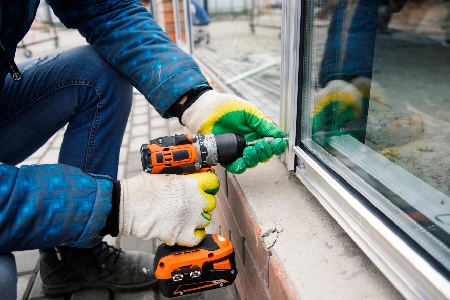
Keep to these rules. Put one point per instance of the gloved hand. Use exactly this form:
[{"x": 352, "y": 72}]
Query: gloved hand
[
  {"x": 220, "y": 113},
  {"x": 172, "y": 208}
]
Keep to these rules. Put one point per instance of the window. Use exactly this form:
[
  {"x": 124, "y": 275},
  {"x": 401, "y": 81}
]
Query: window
[{"x": 375, "y": 109}]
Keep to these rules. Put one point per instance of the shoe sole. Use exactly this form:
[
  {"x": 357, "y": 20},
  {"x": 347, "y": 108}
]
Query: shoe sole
[{"x": 62, "y": 290}]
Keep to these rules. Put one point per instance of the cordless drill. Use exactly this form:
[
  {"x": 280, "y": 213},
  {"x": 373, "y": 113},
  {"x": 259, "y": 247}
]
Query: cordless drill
[{"x": 211, "y": 264}]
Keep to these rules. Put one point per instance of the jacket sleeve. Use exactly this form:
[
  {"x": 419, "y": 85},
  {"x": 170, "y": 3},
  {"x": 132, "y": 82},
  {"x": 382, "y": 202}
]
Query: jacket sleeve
[
  {"x": 44, "y": 206},
  {"x": 128, "y": 37}
]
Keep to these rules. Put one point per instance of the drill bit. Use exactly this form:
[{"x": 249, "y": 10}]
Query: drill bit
[{"x": 267, "y": 139}]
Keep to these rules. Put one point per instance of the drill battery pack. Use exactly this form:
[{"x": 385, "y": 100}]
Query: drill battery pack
[{"x": 186, "y": 270}]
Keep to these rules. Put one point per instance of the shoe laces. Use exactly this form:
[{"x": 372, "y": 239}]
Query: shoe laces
[{"x": 111, "y": 250}]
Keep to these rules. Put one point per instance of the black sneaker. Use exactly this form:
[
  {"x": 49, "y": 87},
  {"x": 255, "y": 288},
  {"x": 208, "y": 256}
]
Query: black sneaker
[{"x": 102, "y": 266}]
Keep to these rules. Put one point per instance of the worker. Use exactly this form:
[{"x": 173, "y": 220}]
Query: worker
[{"x": 73, "y": 204}]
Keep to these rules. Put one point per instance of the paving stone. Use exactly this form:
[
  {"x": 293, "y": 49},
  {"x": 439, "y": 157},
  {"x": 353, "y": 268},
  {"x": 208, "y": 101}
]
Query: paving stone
[
  {"x": 121, "y": 172},
  {"x": 226, "y": 293},
  {"x": 196, "y": 296},
  {"x": 140, "y": 109},
  {"x": 27, "y": 261},
  {"x": 91, "y": 294},
  {"x": 136, "y": 143},
  {"x": 158, "y": 122},
  {"x": 123, "y": 155},
  {"x": 140, "y": 119},
  {"x": 139, "y": 130},
  {"x": 158, "y": 132},
  {"x": 140, "y": 104},
  {"x": 40, "y": 152},
  {"x": 50, "y": 157},
  {"x": 130, "y": 174},
  {"x": 154, "y": 113},
  {"x": 23, "y": 285},
  {"x": 134, "y": 161},
  {"x": 126, "y": 139},
  {"x": 36, "y": 291},
  {"x": 58, "y": 141},
  {"x": 27, "y": 162},
  {"x": 131, "y": 243},
  {"x": 143, "y": 295}
]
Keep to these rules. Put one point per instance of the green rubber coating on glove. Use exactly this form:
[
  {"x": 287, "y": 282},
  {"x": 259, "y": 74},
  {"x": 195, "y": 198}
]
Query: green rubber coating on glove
[
  {"x": 250, "y": 156},
  {"x": 204, "y": 216},
  {"x": 212, "y": 191},
  {"x": 247, "y": 125},
  {"x": 263, "y": 149},
  {"x": 236, "y": 167},
  {"x": 278, "y": 146}
]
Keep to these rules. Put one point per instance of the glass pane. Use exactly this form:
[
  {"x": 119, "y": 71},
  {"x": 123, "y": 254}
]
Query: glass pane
[
  {"x": 377, "y": 107},
  {"x": 240, "y": 42}
]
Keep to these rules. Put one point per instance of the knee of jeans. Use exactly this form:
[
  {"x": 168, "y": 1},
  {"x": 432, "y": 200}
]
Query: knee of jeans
[
  {"x": 8, "y": 275},
  {"x": 117, "y": 91}
]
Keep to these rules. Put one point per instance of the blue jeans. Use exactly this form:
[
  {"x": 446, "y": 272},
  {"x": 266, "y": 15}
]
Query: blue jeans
[
  {"x": 8, "y": 277},
  {"x": 75, "y": 87}
]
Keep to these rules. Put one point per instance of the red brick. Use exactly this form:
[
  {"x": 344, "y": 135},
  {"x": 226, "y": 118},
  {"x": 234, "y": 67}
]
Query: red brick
[
  {"x": 249, "y": 227},
  {"x": 239, "y": 289},
  {"x": 279, "y": 286},
  {"x": 255, "y": 287}
]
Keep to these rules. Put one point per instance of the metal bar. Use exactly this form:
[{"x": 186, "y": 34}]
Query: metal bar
[
  {"x": 266, "y": 26},
  {"x": 291, "y": 32},
  {"x": 252, "y": 71},
  {"x": 188, "y": 25},
  {"x": 176, "y": 17}
]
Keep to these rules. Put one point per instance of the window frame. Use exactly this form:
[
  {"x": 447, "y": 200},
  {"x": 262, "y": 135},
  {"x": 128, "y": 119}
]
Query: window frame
[{"x": 392, "y": 252}]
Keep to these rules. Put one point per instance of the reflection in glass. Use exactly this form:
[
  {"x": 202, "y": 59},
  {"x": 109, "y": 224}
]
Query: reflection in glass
[{"x": 380, "y": 105}]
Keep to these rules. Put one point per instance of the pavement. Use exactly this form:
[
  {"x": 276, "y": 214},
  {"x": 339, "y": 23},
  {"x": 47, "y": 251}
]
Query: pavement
[{"x": 143, "y": 123}]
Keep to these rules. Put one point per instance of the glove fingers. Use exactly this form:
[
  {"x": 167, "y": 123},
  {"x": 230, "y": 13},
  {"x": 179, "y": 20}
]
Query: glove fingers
[
  {"x": 263, "y": 150},
  {"x": 236, "y": 167},
  {"x": 262, "y": 125},
  {"x": 208, "y": 182},
  {"x": 195, "y": 239},
  {"x": 250, "y": 156},
  {"x": 210, "y": 203},
  {"x": 278, "y": 146}
]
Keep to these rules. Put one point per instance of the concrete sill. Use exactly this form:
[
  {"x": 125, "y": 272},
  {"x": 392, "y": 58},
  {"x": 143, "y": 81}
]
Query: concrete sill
[{"x": 312, "y": 258}]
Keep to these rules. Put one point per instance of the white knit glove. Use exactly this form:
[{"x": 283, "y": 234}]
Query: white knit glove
[{"x": 172, "y": 208}]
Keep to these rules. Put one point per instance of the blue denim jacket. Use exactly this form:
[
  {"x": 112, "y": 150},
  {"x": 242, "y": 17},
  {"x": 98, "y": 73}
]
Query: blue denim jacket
[{"x": 45, "y": 206}]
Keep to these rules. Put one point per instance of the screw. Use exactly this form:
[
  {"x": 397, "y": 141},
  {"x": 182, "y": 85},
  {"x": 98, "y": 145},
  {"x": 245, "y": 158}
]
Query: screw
[{"x": 302, "y": 165}]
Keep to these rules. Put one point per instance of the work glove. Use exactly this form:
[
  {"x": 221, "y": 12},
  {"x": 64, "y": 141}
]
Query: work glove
[
  {"x": 172, "y": 208},
  {"x": 218, "y": 113}
]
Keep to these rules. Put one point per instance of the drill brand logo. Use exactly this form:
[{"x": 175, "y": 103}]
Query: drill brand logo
[{"x": 192, "y": 287}]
